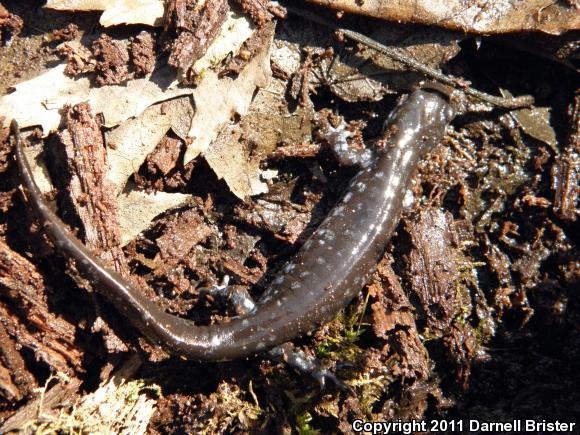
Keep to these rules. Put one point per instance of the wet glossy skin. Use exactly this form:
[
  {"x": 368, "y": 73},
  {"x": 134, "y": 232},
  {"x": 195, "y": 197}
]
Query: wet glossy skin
[{"x": 325, "y": 275}]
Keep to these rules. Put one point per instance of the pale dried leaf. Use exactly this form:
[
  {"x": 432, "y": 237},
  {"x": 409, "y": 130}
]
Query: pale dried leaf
[
  {"x": 217, "y": 100},
  {"x": 234, "y": 31},
  {"x": 131, "y": 142},
  {"x": 38, "y": 101},
  {"x": 364, "y": 74},
  {"x": 147, "y": 12},
  {"x": 536, "y": 123},
  {"x": 118, "y": 103},
  {"x": 137, "y": 209},
  {"x": 286, "y": 55},
  {"x": 353, "y": 78},
  {"x": 236, "y": 154},
  {"x": 39, "y": 169},
  {"x": 79, "y": 5},
  {"x": 498, "y": 16},
  {"x": 228, "y": 158}
]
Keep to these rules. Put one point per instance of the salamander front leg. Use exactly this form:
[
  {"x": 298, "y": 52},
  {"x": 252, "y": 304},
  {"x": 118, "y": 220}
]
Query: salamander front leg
[
  {"x": 236, "y": 296},
  {"x": 343, "y": 151},
  {"x": 304, "y": 364}
]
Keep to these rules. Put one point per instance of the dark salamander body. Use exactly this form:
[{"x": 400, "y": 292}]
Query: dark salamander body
[{"x": 325, "y": 275}]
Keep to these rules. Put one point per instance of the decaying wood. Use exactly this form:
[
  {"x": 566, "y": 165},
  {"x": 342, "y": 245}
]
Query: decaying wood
[
  {"x": 15, "y": 380},
  {"x": 257, "y": 10},
  {"x": 255, "y": 44},
  {"x": 197, "y": 28},
  {"x": 164, "y": 158},
  {"x": 414, "y": 337},
  {"x": 435, "y": 270},
  {"x": 434, "y": 266},
  {"x": 28, "y": 322},
  {"x": 415, "y": 65},
  {"x": 8, "y": 391},
  {"x": 10, "y": 25},
  {"x": 143, "y": 53},
  {"x": 394, "y": 322},
  {"x": 565, "y": 171},
  {"x": 473, "y": 17},
  {"x": 58, "y": 407},
  {"x": 90, "y": 191},
  {"x": 112, "y": 58},
  {"x": 59, "y": 396}
]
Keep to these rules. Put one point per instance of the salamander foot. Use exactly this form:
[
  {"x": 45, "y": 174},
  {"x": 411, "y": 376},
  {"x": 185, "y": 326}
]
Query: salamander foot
[
  {"x": 307, "y": 365},
  {"x": 344, "y": 153},
  {"x": 236, "y": 296}
]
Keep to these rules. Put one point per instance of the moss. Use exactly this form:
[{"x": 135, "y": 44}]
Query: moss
[
  {"x": 303, "y": 424},
  {"x": 340, "y": 340},
  {"x": 124, "y": 407}
]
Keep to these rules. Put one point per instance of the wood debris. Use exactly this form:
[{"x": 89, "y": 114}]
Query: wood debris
[
  {"x": 503, "y": 16},
  {"x": 566, "y": 170}
]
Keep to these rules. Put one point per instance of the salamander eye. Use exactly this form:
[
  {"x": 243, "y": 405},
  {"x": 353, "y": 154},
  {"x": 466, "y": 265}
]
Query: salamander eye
[
  {"x": 394, "y": 112},
  {"x": 449, "y": 113}
]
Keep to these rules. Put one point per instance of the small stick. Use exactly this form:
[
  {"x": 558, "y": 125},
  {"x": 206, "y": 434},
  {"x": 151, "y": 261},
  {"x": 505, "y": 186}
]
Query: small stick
[{"x": 505, "y": 103}]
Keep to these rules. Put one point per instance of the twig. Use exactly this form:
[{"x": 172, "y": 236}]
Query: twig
[{"x": 505, "y": 103}]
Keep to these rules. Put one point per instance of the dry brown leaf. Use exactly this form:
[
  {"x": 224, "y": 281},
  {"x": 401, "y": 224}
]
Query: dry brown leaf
[
  {"x": 228, "y": 157},
  {"x": 353, "y": 78},
  {"x": 138, "y": 209},
  {"x": 536, "y": 123},
  {"x": 131, "y": 142},
  {"x": 237, "y": 152},
  {"x": 363, "y": 74},
  {"x": 39, "y": 169},
  {"x": 79, "y": 5},
  {"x": 234, "y": 32},
  {"x": 38, "y": 101},
  {"x": 217, "y": 100},
  {"x": 148, "y": 12},
  {"x": 498, "y": 16}
]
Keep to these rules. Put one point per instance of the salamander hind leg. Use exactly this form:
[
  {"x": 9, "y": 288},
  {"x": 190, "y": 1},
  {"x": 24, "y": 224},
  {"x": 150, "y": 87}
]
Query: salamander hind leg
[
  {"x": 236, "y": 297},
  {"x": 306, "y": 365}
]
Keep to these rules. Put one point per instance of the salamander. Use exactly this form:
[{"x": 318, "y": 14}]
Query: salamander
[{"x": 331, "y": 267}]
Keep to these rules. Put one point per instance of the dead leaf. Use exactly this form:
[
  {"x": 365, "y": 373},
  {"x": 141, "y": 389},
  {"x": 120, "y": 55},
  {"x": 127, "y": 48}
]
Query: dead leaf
[
  {"x": 536, "y": 123},
  {"x": 228, "y": 157},
  {"x": 363, "y": 74},
  {"x": 217, "y": 100},
  {"x": 499, "y": 16},
  {"x": 38, "y": 101},
  {"x": 237, "y": 152},
  {"x": 79, "y": 5},
  {"x": 148, "y": 12},
  {"x": 234, "y": 32},
  {"x": 39, "y": 169},
  {"x": 137, "y": 209},
  {"x": 131, "y": 142},
  {"x": 352, "y": 77},
  {"x": 115, "y": 12}
]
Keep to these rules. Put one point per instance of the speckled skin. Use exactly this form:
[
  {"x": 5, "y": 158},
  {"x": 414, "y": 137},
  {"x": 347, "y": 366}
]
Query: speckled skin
[{"x": 325, "y": 275}]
